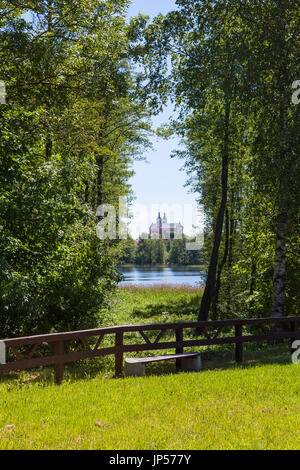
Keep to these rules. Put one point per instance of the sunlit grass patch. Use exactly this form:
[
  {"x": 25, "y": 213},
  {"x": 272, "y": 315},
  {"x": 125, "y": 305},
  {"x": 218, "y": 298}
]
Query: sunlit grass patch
[{"x": 238, "y": 408}]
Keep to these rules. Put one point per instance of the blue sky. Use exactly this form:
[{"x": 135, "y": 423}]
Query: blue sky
[
  {"x": 151, "y": 7},
  {"x": 159, "y": 184}
]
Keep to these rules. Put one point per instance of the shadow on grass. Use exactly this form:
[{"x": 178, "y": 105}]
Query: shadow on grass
[
  {"x": 41, "y": 376},
  {"x": 224, "y": 360},
  {"x": 188, "y": 306},
  {"x": 254, "y": 355},
  {"x": 212, "y": 359},
  {"x": 4, "y": 378}
]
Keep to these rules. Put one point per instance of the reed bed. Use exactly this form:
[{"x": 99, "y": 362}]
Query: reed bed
[{"x": 181, "y": 288}]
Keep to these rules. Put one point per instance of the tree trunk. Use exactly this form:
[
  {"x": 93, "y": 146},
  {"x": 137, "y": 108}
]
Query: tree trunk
[
  {"x": 252, "y": 284},
  {"x": 49, "y": 143},
  {"x": 280, "y": 267},
  {"x": 221, "y": 266},
  {"x": 210, "y": 286},
  {"x": 48, "y": 147},
  {"x": 283, "y": 203},
  {"x": 232, "y": 230}
]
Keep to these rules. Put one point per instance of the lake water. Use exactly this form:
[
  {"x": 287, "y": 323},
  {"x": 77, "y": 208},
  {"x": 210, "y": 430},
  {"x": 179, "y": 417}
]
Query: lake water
[{"x": 153, "y": 276}]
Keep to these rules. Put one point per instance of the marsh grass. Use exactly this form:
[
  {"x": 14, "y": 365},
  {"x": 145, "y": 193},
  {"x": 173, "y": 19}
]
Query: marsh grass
[{"x": 156, "y": 304}]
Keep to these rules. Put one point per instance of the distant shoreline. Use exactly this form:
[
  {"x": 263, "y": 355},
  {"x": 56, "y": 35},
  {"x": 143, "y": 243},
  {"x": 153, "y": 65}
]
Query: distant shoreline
[{"x": 162, "y": 266}]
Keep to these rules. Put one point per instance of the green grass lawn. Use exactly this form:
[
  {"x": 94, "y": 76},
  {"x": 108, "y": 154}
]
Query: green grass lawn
[{"x": 252, "y": 406}]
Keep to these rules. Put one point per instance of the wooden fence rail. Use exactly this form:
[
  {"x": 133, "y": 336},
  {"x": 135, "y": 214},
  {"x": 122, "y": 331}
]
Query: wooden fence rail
[{"x": 22, "y": 353}]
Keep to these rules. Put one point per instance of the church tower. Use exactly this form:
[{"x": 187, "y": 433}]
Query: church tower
[
  {"x": 158, "y": 221},
  {"x": 164, "y": 230}
]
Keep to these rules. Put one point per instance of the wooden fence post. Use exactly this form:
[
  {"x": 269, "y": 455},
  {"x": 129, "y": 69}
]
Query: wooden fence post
[
  {"x": 179, "y": 350},
  {"x": 119, "y": 353},
  {"x": 239, "y": 344},
  {"x": 59, "y": 366}
]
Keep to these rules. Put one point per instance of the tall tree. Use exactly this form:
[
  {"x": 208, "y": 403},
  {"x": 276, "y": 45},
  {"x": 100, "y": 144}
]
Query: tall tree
[
  {"x": 205, "y": 80},
  {"x": 230, "y": 78},
  {"x": 70, "y": 99},
  {"x": 275, "y": 57}
]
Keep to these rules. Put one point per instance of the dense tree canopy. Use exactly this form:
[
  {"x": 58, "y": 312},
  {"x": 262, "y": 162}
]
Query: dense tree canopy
[
  {"x": 229, "y": 66},
  {"x": 77, "y": 115},
  {"x": 148, "y": 251},
  {"x": 70, "y": 128}
]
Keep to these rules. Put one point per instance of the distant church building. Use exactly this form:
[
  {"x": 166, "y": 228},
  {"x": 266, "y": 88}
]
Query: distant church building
[{"x": 164, "y": 230}]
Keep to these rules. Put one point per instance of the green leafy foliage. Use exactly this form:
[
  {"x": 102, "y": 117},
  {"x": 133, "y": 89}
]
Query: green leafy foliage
[
  {"x": 228, "y": 67},
  {"x": 71, "y": 127}
]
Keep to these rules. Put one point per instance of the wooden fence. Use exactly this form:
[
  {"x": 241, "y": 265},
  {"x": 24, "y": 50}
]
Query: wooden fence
[{"x": 29, "y": 352}]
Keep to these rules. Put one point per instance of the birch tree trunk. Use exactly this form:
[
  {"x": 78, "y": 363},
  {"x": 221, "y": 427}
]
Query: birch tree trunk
[
  {"x": 280, "y": 267},
  {"x": 284, "y": 169}
]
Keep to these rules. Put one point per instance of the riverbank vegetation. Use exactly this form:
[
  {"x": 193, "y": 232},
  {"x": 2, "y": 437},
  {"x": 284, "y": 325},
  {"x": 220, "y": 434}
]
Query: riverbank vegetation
[
  {"x": 156, "y": 304},
  {"x": 152, "y": 252}
]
